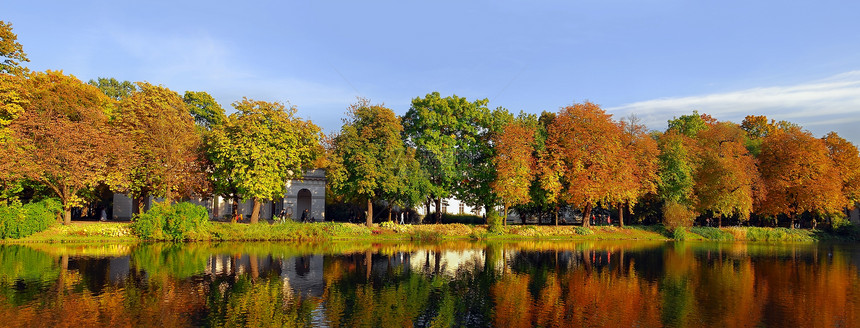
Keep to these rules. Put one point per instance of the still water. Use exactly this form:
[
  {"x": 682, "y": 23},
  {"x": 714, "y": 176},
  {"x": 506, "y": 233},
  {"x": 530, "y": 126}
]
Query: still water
[{"x": 522, "y": 284}]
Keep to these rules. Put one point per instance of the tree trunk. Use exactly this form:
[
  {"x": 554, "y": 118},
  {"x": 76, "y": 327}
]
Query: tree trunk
[
  {"x": 556, "y": 216},
  {"x": 426, "y": 213},
  {"x": 235, "y": 211},
  {"x": 506, "y": 215},
  {"x": 621, "y": 215},
  {"x": 586, "y": 216},
  {"x": 67, "y": 216},
  {"x": 255, "y": 214},
  {"x": 140, "y": 202},
  {"x": 369, "y": 213},
  {"x": 719, "y": 221},
  {"x": 389, "y": 213},
  {"x": 215, "y": 206},
  {"x": 438, "y": 210}
]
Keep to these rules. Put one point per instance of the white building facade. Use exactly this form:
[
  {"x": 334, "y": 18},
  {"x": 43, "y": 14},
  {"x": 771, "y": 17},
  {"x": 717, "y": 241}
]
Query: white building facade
[{"x": 305, "y": 193}]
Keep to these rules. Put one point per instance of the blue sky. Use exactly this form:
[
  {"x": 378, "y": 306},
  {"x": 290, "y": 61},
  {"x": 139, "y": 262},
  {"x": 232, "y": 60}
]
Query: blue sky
[{"x": 789, "y": 60}]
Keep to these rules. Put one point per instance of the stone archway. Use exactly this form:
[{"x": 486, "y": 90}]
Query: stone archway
[{"x": 303, "y": 202}]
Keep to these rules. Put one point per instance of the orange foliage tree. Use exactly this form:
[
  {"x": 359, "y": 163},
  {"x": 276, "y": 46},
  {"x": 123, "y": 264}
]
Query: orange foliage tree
[
  {"x": 847, "y": 161},
  {"x": 637, "y": 175},
  {"x": 799, "y": 175},
  {"x": 514, "y": 164},
  {"x": 64, "y": 138},
  {"x": 582, "y": 158},
  {"x": 727, "y": 178}
]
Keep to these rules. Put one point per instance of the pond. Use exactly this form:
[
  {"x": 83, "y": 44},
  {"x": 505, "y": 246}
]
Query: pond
[{"x": 517, "y": 284}]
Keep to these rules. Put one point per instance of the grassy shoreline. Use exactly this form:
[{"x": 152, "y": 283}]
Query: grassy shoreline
[{"x": 121, "y": 232}]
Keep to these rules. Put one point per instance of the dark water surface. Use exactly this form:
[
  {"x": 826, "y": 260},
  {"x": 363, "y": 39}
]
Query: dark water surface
[{"x": 522, "y": 284}]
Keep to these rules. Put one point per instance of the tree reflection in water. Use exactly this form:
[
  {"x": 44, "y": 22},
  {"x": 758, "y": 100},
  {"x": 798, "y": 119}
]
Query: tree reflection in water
[{"x": 461, "y": 284}]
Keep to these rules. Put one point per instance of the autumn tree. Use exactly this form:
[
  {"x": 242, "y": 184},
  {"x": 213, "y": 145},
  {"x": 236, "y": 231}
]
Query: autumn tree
[
  {"x": 168, "y": 149},
  {"x": 12, "y": 80},
  {"x": 758, "y": 127},
  {"x": 583, "y": 149},
  {"x": 514, "y": 164},
  {"x": 63, "y": 138},
  {"x": 11, "y": 52},
  {"x": 541, "y": 202},
  {"x": 261, "y": 147},
  {"x": 638, "y": 176},
  {"x": 727, "y": 178},
  {"x": 369, "y": 154},
  {"x": 799, "y": 176},
  {"x": 14, "y": 94},
  {"x": 441, "y": 130},
  {"x": 846, "y": 159}
]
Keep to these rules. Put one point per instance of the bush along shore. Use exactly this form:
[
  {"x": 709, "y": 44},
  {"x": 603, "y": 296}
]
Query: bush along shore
[{"x": 123, "y": 232}]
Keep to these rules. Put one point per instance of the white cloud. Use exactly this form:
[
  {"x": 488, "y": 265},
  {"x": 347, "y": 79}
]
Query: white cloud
[{"x": 816, "y": 105}]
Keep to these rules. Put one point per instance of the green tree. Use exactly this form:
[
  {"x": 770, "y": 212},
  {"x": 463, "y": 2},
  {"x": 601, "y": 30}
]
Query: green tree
[
  {"x": 690, "y": 125},
  {"x": 261, "y": 147},
  {"x": 475, "y": 160},
  {"x": 205, "y": 110},
  {"x": 11, "y": 51},
  {"x": 676, "y": 171},
  {"x": 443, "y": 132},
  {"x": 113, "y": 88},
  {"x": 369, "y": 155}
]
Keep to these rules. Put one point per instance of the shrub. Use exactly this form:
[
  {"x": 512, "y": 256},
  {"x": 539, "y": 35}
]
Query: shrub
[
  {"x": 583, "y": 231},
  {"x": 679, "y": 233},
  {"x": 494, "y": 222},
  {"x": 677, "y": 215},
  {"x": 840, "y": 223},
  {"x": 18, "y": 221},
  {"x": 171, "y": 222},
  {"x": 713, "y": 233},
  {"x": 777, "y": 234}
]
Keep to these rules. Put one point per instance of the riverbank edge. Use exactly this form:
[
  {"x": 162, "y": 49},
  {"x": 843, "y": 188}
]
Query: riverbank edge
[{"x": 121, "y": 232}]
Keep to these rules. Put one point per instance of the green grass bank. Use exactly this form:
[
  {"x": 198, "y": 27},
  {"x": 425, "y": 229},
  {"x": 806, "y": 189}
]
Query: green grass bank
[{"x": 87, "y": 232}]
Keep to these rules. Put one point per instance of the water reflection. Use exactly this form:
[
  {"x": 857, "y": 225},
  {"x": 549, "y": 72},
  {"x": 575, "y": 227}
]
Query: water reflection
[{"x": 524, "y": 284}]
